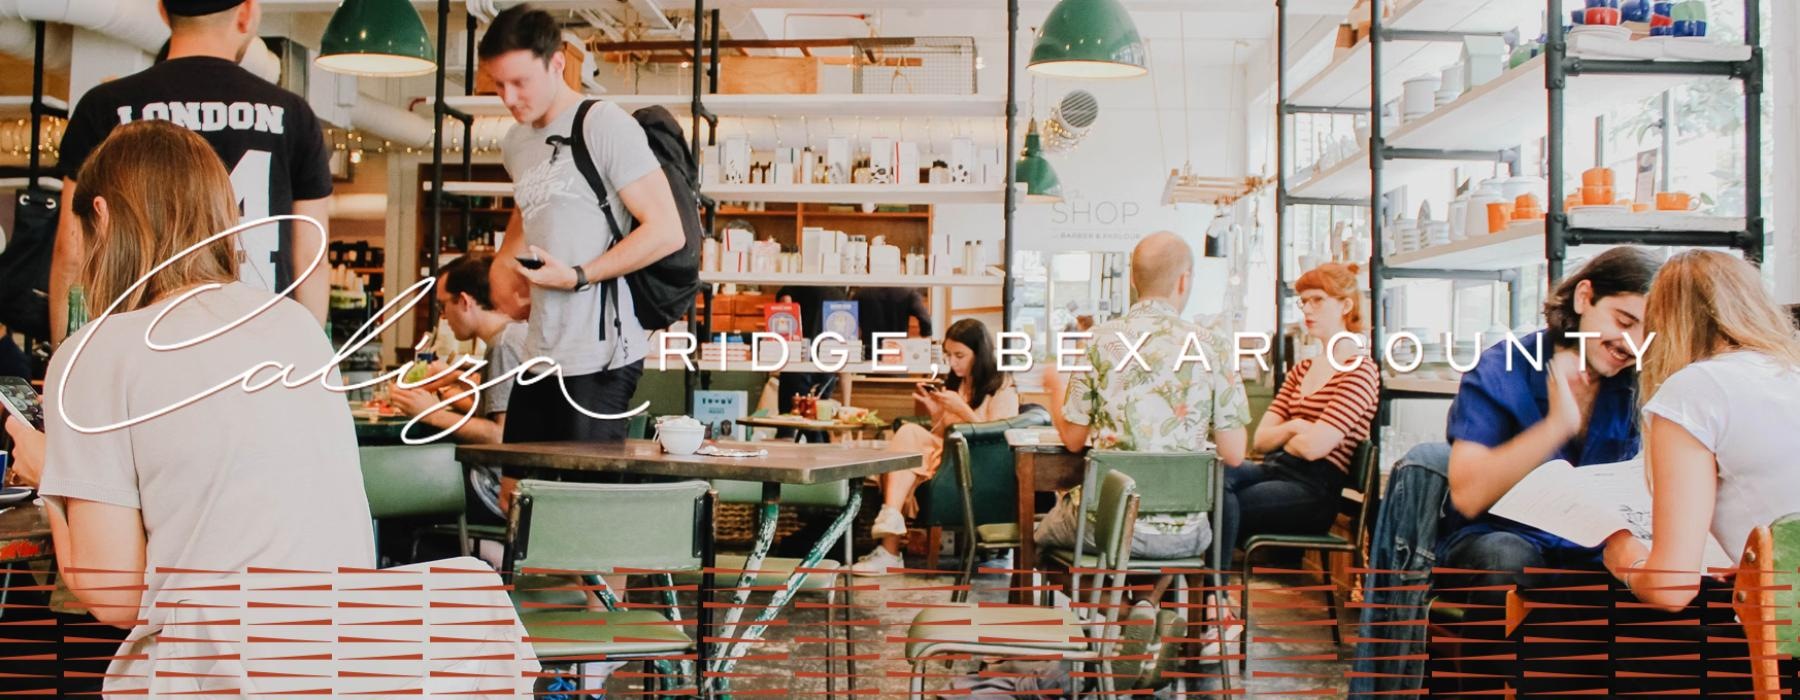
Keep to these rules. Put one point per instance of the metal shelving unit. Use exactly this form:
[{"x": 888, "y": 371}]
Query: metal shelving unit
[{"x": 1488, "y": 123}]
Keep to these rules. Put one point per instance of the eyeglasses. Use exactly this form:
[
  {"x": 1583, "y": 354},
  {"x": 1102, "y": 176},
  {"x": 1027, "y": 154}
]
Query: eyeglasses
[{"x": 1311, "y": 301}]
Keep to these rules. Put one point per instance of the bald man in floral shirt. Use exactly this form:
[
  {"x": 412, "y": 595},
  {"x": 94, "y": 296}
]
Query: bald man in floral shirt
[{"x": 1121, "y": 405}]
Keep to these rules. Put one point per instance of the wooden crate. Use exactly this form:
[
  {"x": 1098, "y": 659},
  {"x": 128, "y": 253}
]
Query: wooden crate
[{"x": 767, "y": 75}]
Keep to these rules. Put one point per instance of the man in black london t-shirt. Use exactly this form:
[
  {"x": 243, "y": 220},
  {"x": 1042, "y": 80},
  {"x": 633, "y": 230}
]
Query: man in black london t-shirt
[{"x": 269, "y": 139}]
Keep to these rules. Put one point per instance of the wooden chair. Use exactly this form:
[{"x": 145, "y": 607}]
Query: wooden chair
[{"x": 1765, "y": 601}]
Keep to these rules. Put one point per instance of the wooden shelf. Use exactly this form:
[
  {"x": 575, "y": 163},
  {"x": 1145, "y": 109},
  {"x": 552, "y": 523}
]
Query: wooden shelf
[
  {"x": 1345, "y": 81},
  {"x": 817, "y": 194},
  {"x": 777, "y": 279},
  {"x": 859, "y": 194},
  {"x": 780, "y": 106},
  {"x": 1516, "y": 247}
]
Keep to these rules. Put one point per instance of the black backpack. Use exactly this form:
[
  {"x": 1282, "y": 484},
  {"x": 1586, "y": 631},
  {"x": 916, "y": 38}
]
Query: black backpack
[
  {"x": 25, "y": 265},
  {"x": 663, "y": 291}
]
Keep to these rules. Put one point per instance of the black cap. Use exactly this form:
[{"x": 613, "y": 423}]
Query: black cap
[{"x": 196, "y": 8}]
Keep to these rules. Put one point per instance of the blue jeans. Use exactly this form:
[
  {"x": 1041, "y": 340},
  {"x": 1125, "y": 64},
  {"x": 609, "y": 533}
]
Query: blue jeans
[{"x": 1283, "y": 495}]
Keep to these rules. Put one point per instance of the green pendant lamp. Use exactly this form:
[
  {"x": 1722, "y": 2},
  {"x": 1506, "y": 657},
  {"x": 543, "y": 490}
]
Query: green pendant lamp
[
  {"x": 377, "y": 38},
  {"x": 1089, "y": 39},
  {"x": 1033, "y": 169}
]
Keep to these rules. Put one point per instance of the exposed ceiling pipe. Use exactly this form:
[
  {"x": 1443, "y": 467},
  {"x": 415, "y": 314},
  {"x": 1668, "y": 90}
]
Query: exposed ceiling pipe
[
  {"x": 19, "y": 39},
  {"x": 135, "y": 23},
  {"x": 139, "y": 24}
]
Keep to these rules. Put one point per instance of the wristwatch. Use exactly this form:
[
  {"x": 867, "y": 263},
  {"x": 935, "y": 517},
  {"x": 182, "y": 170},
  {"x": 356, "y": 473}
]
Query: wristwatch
[{"x": 581, "y": 280}]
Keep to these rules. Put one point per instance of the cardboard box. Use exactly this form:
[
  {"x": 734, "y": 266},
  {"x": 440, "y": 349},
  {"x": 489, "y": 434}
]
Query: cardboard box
[{"x": 752, "y": 75}]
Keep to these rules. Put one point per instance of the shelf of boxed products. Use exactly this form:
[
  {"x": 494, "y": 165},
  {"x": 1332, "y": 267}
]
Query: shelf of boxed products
[
  {"x": 1505, "y": 112},
  {"x": 779, "y": 106},
  {"x": 859, "y": 194},
  {"x": 1345, "y": 81},
  {"x": 776, "y": 279},
  {"x": 1522, "y": 244},
  {"x": 811, "y": 194}
]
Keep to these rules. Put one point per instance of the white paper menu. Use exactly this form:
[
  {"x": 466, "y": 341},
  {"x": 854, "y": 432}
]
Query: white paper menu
[{"x": 1586, "y": 505}]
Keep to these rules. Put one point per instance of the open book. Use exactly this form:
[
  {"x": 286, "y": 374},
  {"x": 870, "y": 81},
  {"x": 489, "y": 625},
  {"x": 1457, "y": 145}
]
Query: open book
[{"x": 1587, "y": 505}]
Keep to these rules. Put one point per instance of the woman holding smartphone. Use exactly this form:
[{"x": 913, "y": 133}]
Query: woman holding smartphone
[
  {"x": 210, "y": 477},
  {"x": 974, "y": 391}
]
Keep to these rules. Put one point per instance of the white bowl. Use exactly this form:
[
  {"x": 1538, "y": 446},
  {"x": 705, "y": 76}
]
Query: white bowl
[{"x": 680, "y": 440}]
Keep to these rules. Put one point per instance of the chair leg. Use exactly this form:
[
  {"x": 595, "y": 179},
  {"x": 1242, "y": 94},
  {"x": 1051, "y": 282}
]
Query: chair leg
[
  {"x": 916, "y": 684},
  {"x": 1337, "y": 634},
  {"x": 849, "y": 610},
  {"x": 1244, "y": 618}
]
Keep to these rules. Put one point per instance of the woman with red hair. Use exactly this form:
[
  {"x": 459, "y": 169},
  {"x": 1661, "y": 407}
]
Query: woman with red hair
[{"x": 1311, "y": 430}]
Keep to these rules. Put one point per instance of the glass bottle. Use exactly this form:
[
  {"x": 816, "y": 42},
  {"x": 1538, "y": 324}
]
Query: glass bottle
[{"x": 78, "y": 314}]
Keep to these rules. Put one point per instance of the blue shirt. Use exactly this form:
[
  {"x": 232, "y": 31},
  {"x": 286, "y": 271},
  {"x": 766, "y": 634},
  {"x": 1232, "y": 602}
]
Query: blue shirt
[{"x": 1495, "y": 404}]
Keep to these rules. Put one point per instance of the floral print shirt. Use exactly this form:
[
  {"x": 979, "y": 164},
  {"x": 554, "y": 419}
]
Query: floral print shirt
[{"x": 1189, "y": 390}]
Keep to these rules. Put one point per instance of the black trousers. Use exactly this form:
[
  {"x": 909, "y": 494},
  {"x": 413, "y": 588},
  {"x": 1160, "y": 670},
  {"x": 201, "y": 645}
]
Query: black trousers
[{"x": 539, "y": 412}]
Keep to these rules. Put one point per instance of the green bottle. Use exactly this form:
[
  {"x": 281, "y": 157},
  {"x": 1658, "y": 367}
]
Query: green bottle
[{"x": 77, "y": 309}]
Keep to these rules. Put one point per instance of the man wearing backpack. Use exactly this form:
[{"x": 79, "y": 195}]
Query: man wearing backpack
[{"x": 579, "y": 309}]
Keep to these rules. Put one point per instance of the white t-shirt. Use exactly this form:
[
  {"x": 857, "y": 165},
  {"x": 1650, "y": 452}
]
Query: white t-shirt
[
  {"x": 236, "y": 479},
  {"x": 1745, "y": 408},
  {"x": 562, "y": 215}
]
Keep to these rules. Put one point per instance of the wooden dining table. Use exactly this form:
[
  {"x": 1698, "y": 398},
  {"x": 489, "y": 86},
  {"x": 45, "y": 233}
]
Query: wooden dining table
[
  {"x": 1040, "y": 467},
  {"x": 780, "y": 463}
]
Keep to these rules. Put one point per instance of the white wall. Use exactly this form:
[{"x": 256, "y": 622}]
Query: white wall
[{"x": 1783, "y": 73}]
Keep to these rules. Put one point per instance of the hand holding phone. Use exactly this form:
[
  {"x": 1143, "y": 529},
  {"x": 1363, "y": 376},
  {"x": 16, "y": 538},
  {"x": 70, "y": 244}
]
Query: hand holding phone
[
  {"x": 530, "y": 263},
  {"x": 22, "y": 401}
]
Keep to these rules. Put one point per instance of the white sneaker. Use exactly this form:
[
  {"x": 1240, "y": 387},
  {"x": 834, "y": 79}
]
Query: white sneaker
[
  {"x": 888, "y": 522},
  {"x": 877, "y": 563}
]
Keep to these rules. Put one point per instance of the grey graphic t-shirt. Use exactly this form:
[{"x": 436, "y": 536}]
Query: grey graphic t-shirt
[{"x": 562, "y": 215}]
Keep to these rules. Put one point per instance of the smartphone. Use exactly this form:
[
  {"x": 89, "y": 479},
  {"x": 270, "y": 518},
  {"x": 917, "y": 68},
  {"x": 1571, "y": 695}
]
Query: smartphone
[
  {"x": 22, "y": 401},
  {"x": 529, "y": 263},
  {"x": 931, "y": 386}
]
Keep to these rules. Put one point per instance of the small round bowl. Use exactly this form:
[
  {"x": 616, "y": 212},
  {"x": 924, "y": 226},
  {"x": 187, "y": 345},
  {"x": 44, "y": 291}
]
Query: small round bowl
[{"x": 680, "y": 440}]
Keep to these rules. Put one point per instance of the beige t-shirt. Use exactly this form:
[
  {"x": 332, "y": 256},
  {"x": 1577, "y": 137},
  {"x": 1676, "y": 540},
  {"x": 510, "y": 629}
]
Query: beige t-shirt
[{"x": 236, "y": 479}]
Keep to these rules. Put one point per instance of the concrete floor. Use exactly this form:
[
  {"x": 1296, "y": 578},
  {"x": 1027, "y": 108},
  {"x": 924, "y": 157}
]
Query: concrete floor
[{"x": 1294, "y": 654}]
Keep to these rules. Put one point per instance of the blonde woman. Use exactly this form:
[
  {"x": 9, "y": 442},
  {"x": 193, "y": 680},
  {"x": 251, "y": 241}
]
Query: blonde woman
[
  {"x": 236, "y": 479},
  {"x": 1720, "y": 395}
]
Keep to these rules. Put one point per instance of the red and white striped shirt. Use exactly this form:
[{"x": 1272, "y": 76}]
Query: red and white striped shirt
[{"x": 1346, "y": 402}]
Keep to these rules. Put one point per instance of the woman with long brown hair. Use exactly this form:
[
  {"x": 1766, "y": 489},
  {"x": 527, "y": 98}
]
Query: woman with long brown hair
[
  {"x": 1719, "y": 391},
  {"x": 156, "y": 459},
  {"x": 974, "y": 391},
  {"x": 1720, "y": 396}
]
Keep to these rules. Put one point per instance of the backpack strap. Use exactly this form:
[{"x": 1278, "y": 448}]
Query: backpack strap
[{"x": 584, "y": 162}]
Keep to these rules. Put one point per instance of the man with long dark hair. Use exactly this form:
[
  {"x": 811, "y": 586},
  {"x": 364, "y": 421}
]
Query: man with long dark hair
[{"x": 1564, "y": 392}]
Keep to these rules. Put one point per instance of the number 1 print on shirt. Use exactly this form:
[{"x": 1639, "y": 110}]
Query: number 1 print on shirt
[{"x": 257, "y": 247}]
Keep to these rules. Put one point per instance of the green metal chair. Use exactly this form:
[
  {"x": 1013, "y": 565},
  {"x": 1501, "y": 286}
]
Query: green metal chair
[
  {"x": 1171, "y": 482},
  {"x": 988, "y": 509},
  {"x": 637, "y": 428},
  {"x": 773, "y": 572},
  {"x": 562, "y": 528},
  {"x": 1037, "y": 631},
  {"x": 1365, "y": 476},
  {"x": 416, "y": 481}
]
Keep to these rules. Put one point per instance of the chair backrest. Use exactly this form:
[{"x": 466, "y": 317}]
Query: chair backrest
[
  {"x": 1115, "y": 514},
  {"x": 993, "y": 486},
  {"x": 605, "y": 527},
  {"x": 1169, "y": 482},
  {"x": 405, "y": 481},
  {"x": 831, "y": 494}
]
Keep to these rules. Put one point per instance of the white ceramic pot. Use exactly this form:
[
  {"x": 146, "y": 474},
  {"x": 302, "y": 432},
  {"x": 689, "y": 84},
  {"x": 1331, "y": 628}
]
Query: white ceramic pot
[{"x": 1420, "y": 96}]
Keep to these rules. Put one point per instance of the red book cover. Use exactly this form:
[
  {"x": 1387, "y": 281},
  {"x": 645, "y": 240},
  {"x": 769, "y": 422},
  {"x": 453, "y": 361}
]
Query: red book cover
[{"x": 783, "y": 319}]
